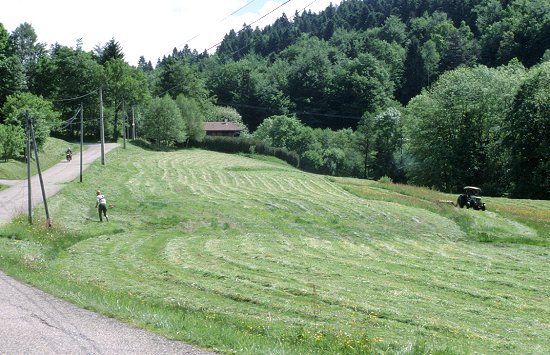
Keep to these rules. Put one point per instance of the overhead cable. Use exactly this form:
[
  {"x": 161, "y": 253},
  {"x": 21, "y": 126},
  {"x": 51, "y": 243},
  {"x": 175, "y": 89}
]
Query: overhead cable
[
  {"x": 249, "y": 25},
  {"x": 249, "y": 44},
  {"x": 222, "y": 20},
  {"x": 77, "y": 97}
]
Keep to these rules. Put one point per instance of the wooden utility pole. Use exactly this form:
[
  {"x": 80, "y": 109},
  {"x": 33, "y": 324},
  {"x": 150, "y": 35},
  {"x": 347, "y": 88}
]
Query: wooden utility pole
[
  {"x": 29, "y": 195},
  {"x": 124, "y": 124},
  {"x": 101, "y": 127},
  {"x": 81, "y": 136},
  {"x": 40, "y": 174},
  {"x": 133, "y": 125}
]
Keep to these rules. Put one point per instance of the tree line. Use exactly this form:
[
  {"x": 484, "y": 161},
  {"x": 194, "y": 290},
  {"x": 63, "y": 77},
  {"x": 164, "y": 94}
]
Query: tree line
[{"x": 438, "y": 93}]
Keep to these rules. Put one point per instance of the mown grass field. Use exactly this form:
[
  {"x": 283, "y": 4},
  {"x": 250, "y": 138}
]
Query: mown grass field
[{"x": 248, "y": 256}]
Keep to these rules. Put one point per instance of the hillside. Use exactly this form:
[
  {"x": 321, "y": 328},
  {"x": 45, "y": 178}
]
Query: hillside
[{"x": 250, "y": 256}]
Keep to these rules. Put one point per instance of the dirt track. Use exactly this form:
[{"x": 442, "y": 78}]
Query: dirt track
[{"x": 33, "y": 322}]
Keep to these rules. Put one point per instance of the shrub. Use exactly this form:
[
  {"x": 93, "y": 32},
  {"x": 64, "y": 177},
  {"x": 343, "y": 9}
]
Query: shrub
[{"x": 385, "y": 180}]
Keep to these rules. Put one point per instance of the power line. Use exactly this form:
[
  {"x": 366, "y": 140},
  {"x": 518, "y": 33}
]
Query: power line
[
  {"x": 234, "y": 12},
  {"x": 57, "y": 100},
  {"x": 222, "y": 20},
  {"x": 77, "y": 97},
  {"x": 265, "y": 108},
  {"x": 293, "y": 17},
  {"x": 249, "y": 25}
]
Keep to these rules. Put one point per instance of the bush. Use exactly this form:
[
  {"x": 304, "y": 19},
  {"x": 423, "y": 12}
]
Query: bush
[
  {"x": 385, "y": 180},
  {"x": 12, "y": 141}
]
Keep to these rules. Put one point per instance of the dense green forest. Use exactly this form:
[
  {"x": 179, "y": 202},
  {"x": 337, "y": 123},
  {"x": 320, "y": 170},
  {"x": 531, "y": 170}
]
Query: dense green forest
[{"x": 438, "y": 93}]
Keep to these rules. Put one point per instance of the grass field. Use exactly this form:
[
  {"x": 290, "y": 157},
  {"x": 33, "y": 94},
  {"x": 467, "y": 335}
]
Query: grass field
[
  {"x": 250, "y": 256},
  {"x": 52, "y": 153}
]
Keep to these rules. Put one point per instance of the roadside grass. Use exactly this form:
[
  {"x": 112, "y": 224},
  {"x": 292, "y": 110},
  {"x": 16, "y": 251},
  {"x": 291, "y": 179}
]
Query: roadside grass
[
  {"x": 248, "y": 256},
  {"x": 52, "y": 153}
]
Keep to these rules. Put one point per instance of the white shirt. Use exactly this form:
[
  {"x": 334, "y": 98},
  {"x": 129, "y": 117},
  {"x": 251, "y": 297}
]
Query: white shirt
[{"x": 101, "y": 199}]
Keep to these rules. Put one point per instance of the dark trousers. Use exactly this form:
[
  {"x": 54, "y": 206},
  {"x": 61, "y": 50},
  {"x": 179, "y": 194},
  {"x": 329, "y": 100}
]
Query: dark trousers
[{"x": 102, "y": 208}]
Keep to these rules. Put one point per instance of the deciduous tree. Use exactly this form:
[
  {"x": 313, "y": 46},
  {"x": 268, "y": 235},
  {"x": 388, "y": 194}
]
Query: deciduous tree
[
  {"x": 163, "y": 124},
  {"x": 529, "y": 136}
]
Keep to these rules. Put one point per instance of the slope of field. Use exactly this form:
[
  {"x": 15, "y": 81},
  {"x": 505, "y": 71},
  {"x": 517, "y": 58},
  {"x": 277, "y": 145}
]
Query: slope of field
[
  {"x": 287, "y": 259},
  {"x": 52, "y": 153}
]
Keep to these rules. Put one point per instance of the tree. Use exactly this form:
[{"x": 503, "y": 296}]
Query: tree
[
  {"x": 144, "y": 65},
  {"x": 238, "y": 84},
  {"x": 414, "y": 77},
  {"x": 460, "y": 48},
  {"x": 66, "y": 74},
  {"x": 359, "y": 85},
  {"x": 340, "y": 156},
  {"x": 365, "y": 143},
  {"x": 430, "y": 59},
  {"x": 176, "y": 76},
  {"x": 513, "y": 29},
  {"x": 455, "y": 128},
  {"x": 109, "y": 51},
  {"x": 23, "y": 40},
  {"x": 193, "y": 116},
  {"x": 12, "y": 141},
  {"x": 529, "y": 136},
  {"x": 44, "y": 117},
  {"x": 125, "y": 86},
  {"x": 387, "y": 141},
  {"x": 283, "y": 132},
  {"x": 12, "y": 78},
  {"x": 163, "y": 123},
  {"x": 308, "y": 80},
  {"x": 394, "y": 30},
  {"x": 391, "y": 56}
]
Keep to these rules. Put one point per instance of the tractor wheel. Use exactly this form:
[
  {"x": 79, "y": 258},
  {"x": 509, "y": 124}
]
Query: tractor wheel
[
  {"x": 483, "y": 208},
  {"x": 461, "y": 201}
]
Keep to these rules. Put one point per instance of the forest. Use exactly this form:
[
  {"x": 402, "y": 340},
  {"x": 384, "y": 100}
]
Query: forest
[{"x": 436, "y": 93}]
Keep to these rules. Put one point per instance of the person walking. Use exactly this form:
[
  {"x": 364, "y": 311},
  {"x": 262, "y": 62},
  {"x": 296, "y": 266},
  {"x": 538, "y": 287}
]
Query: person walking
[{"x": 101, "y": 205}]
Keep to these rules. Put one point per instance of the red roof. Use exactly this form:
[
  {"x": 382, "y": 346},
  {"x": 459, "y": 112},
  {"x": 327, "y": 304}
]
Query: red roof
[{"x": 221, "y": 127}]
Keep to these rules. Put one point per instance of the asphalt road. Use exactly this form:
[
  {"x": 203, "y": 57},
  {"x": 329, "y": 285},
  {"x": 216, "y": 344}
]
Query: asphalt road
[
  {"x": 14, "y": 199},
  {"x": 34, "y": 322}
]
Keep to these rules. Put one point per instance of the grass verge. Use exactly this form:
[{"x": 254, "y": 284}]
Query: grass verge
[{"x": 52, "y": 153}]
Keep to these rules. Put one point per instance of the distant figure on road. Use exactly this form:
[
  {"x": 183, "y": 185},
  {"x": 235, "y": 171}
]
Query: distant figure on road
[
  {"x": 101, "y": 205},
  {"x": 69, "y": 154}
]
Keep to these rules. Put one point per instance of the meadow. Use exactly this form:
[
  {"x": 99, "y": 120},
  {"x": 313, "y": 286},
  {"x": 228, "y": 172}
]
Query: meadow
[
  {"x": 244, "y": 255},
  {"x": 52, "y": 153}
]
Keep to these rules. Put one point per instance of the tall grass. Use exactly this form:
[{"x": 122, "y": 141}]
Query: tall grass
[{"x": 248, "y": 256}]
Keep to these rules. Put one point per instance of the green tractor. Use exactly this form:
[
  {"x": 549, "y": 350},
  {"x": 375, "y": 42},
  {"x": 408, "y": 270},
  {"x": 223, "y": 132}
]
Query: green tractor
[{"x": 471, "y": 198}]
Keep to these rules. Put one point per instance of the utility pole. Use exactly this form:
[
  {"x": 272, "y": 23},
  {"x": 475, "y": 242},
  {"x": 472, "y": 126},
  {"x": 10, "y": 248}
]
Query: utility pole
[
  {"x": 124, "y": 124},
  {"x": 133, "y": 125},
  {"x": 29, "y": 196},
  {"x": 101, "y": 128},
  {"x": 81, "y": 136},
  {"x": 40, "y": 174}
]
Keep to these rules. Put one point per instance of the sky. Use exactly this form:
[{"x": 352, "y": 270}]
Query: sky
[{"x": 145, "y": 28}]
